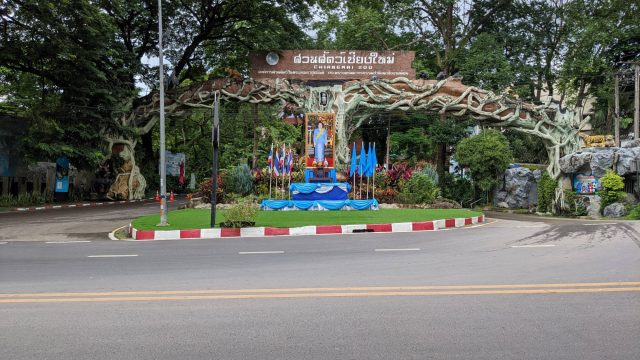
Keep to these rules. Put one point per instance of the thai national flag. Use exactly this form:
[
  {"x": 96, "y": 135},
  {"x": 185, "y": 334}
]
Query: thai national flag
[
  {"x": 270, "y": 158},
  {"x": 276, "y": 164},
  {"x": 282, "y": 160},
  {"x": 290, "y": 163}
]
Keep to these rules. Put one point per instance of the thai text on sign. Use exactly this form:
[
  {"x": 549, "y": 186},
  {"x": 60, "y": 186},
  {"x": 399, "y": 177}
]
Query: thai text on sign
[{"x": 332, "y": 64}]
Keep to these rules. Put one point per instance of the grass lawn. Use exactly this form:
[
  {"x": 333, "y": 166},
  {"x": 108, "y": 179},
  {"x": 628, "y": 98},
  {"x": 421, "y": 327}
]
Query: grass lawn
[{"x": 199, "y": 218}]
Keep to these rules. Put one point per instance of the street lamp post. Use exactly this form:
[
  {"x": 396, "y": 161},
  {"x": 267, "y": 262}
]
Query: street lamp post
[
  {"x": 215, "y": 141},
  {"x": 163, "y": 164}
]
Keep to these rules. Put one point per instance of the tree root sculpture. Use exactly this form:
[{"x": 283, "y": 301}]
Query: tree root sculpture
[{"x": 354, "y": 101}]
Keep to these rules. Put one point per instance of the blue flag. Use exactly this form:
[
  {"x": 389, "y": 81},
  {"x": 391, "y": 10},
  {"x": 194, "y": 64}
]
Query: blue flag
[
  {"x": 354, "y": 162},
  {"x": 374, "y": 160},
  {"x": 362, "y": 164},
  {"x": 370, "y": 161}
]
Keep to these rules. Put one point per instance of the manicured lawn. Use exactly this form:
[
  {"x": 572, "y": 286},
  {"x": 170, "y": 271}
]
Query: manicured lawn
[{"x": 199, "y": 218}]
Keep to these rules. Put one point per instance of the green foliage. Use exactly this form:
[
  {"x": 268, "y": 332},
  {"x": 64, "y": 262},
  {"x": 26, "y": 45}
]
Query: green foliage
[
  {"x": 418, "y": 190},
  {"x": 526, "y": 148},
  {"x": 26, "y": 199},
  {"x": 485, "y": 64},
  {"x": 241, "y": 214},
  {"x": 431, "y": 172},
  {"x": 574, "y": 203},
  {"x": 242, "y": 180},
  {"x": 412, "y": 145},
  {"x": 487, "y": 155},
  {"x": 611, "y": 189},
  {"x": 634, "y": 214},
  {"x": 546, "y": 192},
  {"x": 457, "y": 188}
]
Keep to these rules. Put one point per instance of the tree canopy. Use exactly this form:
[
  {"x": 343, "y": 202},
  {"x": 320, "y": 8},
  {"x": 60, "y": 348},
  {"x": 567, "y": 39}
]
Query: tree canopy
[{"x": 78, "y": 68}]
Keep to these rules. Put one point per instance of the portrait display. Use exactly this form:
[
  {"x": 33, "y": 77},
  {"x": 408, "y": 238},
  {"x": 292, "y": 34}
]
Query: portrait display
[{"x": 319, "y": 139}]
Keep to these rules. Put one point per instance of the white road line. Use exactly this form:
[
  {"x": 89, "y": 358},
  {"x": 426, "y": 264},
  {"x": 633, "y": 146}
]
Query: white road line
[
  {"x": 3, "y": 242},
  {"x": 533, "y": 246},
  {"x": 409, "y": 249},
  {"x": 67, "y": 242},
  {"x": 600, "y": 224},
  {"x": 259, "y": 252},
  {"x": 112, "y": 256}
]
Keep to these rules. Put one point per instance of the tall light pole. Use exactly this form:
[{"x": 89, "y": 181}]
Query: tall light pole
[
  {"x": 636, "y": 96},
  {"x": 215, "y": 141},
  {"x": 163, "y": 164}
]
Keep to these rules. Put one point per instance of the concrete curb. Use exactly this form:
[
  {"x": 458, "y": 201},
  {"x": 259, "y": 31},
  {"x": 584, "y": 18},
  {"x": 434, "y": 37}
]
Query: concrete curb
[
  {"x": 78, "y": 205},
  {"x": 305, "y": 230}
]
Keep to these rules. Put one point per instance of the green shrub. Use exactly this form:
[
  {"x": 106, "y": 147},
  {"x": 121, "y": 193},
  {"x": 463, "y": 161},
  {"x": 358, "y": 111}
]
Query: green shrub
[
  {"x": 634, "y": 214},
  {"x": 575, "y": 205},
  {"x": 546, "y": 192},
  {"x": 611, "y": 189},
  {"x": 487, "y": 155},
  {"x": 431, "y": 171},
  {"x": 418, "y": 190},
  {"x": 242, "y": 179},
  {"x": 457, "y": 188},
  {"x": 241, "y": 214}
]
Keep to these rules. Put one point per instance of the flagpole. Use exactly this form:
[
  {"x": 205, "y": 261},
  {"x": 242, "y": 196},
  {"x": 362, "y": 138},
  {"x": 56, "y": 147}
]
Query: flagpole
[
  {"x": 269, "y": 165},
  {"x": 275, "y": 164},
  {"x": 367, "y": 172},
  {"x": 290, "y": 168},
  {"x": 282, "y": 173},
  {"x": 374, "y": 173}
]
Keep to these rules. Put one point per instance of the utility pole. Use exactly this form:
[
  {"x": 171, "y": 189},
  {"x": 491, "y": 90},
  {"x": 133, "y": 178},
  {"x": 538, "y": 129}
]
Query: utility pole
[
  {"x": 163, "y": 164},
  {"x": 388, "y": 141},
  {"x": 616, "y": 114},
  {"x": 215, "y": 141},
  {"x": 636, "y": 97}
]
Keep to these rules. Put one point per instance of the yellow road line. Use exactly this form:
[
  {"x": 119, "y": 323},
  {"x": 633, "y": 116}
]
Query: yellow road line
[
  {"x": 321, "y": 289},
  {"x": 322, "y": 295}
]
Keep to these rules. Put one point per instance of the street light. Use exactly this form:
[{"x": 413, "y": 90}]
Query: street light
[{"x": 163, "y": 164}]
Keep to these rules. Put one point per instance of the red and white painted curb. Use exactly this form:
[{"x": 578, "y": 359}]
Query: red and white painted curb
[
  {"x": 305, "y": 230},
  {"x": 77, "y": 205}
]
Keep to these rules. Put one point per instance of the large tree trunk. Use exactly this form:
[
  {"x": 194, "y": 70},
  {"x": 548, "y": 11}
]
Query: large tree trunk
[{"x": 129, "y": 184}]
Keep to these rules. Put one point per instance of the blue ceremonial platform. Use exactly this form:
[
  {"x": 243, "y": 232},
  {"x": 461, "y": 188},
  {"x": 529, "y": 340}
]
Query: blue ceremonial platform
[
  {"x": 320, "y": 191},
  {"x": 288, "y": 205},
  {"x": 319, "y": 196}
]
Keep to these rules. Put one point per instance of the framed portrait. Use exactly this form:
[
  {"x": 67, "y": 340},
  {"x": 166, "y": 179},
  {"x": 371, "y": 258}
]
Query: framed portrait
[{"x": 319, "y": 139}]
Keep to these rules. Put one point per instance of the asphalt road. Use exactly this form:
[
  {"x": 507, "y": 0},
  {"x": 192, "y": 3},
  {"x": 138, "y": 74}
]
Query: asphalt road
[
  {"x": 80, "y": 223},
  {"x": 510, "y": 289}
]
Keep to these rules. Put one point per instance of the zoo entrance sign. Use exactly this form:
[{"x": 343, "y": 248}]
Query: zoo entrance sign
[{"x": 332, "y": 64}]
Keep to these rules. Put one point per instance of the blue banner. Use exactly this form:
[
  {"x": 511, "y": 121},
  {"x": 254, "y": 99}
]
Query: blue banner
[{"x": 62, "y": 175}]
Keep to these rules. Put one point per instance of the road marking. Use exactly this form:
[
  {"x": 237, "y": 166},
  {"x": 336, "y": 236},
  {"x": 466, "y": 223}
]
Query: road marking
[
  {"x": 533, "y": 246},
  {"x": 332, "y": 289},
  {"x": 600, "y": 224},
  {"x": 67, "y": 242},
  {"x": 112, "y": 234},
  {"x": 3, "y": 242},
  {"x": 112, "y": 256},
  {"x": 408, "y": 249},
  {"x": 321, "y": 295},
  {"x": 259, "y": 252}
]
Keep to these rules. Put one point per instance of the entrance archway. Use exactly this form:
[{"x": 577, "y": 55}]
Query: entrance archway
[{"x": 354, "y": 100}]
